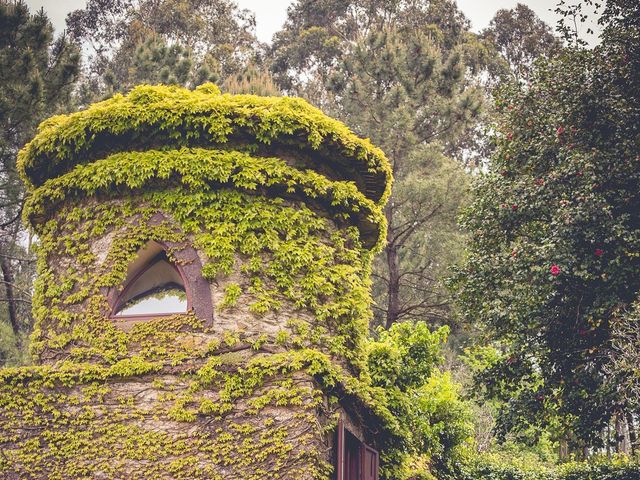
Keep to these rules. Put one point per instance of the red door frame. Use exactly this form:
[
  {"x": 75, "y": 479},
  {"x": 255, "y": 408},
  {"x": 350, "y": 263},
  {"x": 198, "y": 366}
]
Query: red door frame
[
  {"x": 341, "y": 447},
  {"x": 362, "y": 451}
]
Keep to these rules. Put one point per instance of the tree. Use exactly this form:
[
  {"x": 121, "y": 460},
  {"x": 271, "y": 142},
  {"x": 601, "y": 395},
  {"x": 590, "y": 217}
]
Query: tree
[
  {"x": 153, "y": 61},
  {"x": 36, "y": 79},
  {"x": 521, "y": 38},
  {"x": 252, "y": 80},
  {"x": 395, "y": 72},
  {"x": 318, "y": 34},
  {"x": 554, "y": 230},
  {"x": 185, "y": 42}
]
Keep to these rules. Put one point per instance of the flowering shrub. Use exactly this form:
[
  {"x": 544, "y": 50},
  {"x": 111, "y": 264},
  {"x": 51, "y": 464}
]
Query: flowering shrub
[{"x": 547, "y": 277}]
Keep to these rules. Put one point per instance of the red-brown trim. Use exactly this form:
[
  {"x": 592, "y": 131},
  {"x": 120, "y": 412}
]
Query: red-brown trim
[
  {"x": 197, "y": 288},
  {"x": 364, "y": 448},
  {"x": 364, "y": 453},
  {"x": 340, "y": 453}
]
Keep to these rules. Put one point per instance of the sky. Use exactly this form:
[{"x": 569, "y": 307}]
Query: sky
[{"x": 271, "y": 14}]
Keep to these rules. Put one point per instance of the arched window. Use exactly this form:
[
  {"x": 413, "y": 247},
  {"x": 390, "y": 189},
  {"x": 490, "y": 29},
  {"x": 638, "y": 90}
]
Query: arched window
[{"x": 154, "y": 287}]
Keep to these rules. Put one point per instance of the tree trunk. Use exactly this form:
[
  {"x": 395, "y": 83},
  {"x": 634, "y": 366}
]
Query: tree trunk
[
  {"x": 393, "y": 293},
  {"x": 563, "y": 452},
  {"x": 621, "y": 444},
  {"x": 633, "y": 433},
  {"x": 7, "y": 277},
  {"x": 393, "y": 288}
]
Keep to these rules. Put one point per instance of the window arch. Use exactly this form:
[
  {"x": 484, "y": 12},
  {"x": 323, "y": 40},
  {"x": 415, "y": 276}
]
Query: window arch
[{"x": 154, "y": 287}]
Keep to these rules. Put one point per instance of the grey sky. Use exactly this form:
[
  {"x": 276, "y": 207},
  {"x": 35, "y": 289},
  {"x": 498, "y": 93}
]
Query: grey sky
[{"x": 271, "y": 14}]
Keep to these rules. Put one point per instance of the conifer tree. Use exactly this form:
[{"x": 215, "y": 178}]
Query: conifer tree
[
  {"x": 395, "y": 72},
  {"x": 36, "y": 79}
]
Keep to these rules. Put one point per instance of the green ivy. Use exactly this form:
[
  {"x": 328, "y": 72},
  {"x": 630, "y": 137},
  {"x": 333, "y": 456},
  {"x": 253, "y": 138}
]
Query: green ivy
[{"x": 177, "y": 117}]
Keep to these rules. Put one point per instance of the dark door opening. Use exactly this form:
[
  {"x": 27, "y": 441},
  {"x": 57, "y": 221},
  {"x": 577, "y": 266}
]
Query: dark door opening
[{"x": 355, "y": 460}]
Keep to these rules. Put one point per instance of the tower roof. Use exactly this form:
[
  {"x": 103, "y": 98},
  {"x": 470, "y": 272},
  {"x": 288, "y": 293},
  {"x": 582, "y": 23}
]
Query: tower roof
[{"x": 159, "y": 117}]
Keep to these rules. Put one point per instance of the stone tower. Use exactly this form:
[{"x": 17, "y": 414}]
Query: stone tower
[{"x": 202, "y": 293}]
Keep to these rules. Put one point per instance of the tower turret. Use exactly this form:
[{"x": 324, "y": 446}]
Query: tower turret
[{"x": 202, "y": 295}]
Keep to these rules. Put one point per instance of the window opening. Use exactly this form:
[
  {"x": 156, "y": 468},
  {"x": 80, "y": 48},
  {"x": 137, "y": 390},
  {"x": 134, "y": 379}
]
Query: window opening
[{"x": 154, "y": 286}]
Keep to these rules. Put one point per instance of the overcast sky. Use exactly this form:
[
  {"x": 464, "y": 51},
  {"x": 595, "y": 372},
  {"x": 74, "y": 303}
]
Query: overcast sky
[{"x": 271, "y": 14}]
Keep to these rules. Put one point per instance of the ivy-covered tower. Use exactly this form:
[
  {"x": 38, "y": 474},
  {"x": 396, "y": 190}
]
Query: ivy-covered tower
[{"x": 202, "y": 293}]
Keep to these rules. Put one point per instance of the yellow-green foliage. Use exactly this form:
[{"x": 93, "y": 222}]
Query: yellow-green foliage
[
  {"x": 176, "y": 117},
  {"x": 204, "y": 170},
  {"x": 286, "y": 253},
  {"x": 76, "y": 421}
]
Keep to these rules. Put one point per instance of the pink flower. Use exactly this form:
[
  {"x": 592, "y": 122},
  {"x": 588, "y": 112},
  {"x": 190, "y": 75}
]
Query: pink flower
[
  {"x": 560, "y": 131},
  {"x": 598, "y": 252},
  {"x": 509, "y": 136},
  {"x": 555, "y": 270},
  {"x": 539, "y": 181},
  {"x": 514, "y": 207}
]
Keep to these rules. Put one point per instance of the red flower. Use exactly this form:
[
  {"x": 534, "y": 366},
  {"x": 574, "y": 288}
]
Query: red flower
[
  {"x": 539, "y": 181},
  {"x": 598, "y": 252},
  {"x": 555, "y": 270},
  {"x": 560, "y": 131},
  {"x": 514, "y": 207},
  {"x": 509, "y": 136}
]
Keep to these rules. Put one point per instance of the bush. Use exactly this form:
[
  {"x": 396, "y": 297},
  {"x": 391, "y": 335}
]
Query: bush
[
  {"x": 600, "y": 471},
  {"x": 488, "y": 467}
]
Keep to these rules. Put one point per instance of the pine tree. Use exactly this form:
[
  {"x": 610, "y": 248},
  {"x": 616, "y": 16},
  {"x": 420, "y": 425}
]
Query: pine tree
[
  {"x": 395, "y": 72},
  {"x": 36, "y": 79}
]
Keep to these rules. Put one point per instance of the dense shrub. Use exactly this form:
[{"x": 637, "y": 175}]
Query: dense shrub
[
  {"x": 489, "y": 468},
  {"x": 600, "y": 471}
]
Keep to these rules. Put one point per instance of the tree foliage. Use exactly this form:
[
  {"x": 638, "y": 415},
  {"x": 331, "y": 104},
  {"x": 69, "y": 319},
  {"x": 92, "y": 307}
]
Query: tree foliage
[
  {"x": 404, "y": 360},
  {"x": 184, "y": 42},
  {"x": 521, "y": 38},
  {"x": 36, "y": 78},
  {"x": 395, "y": 71},
  {"x": 555, "y": 235}
]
